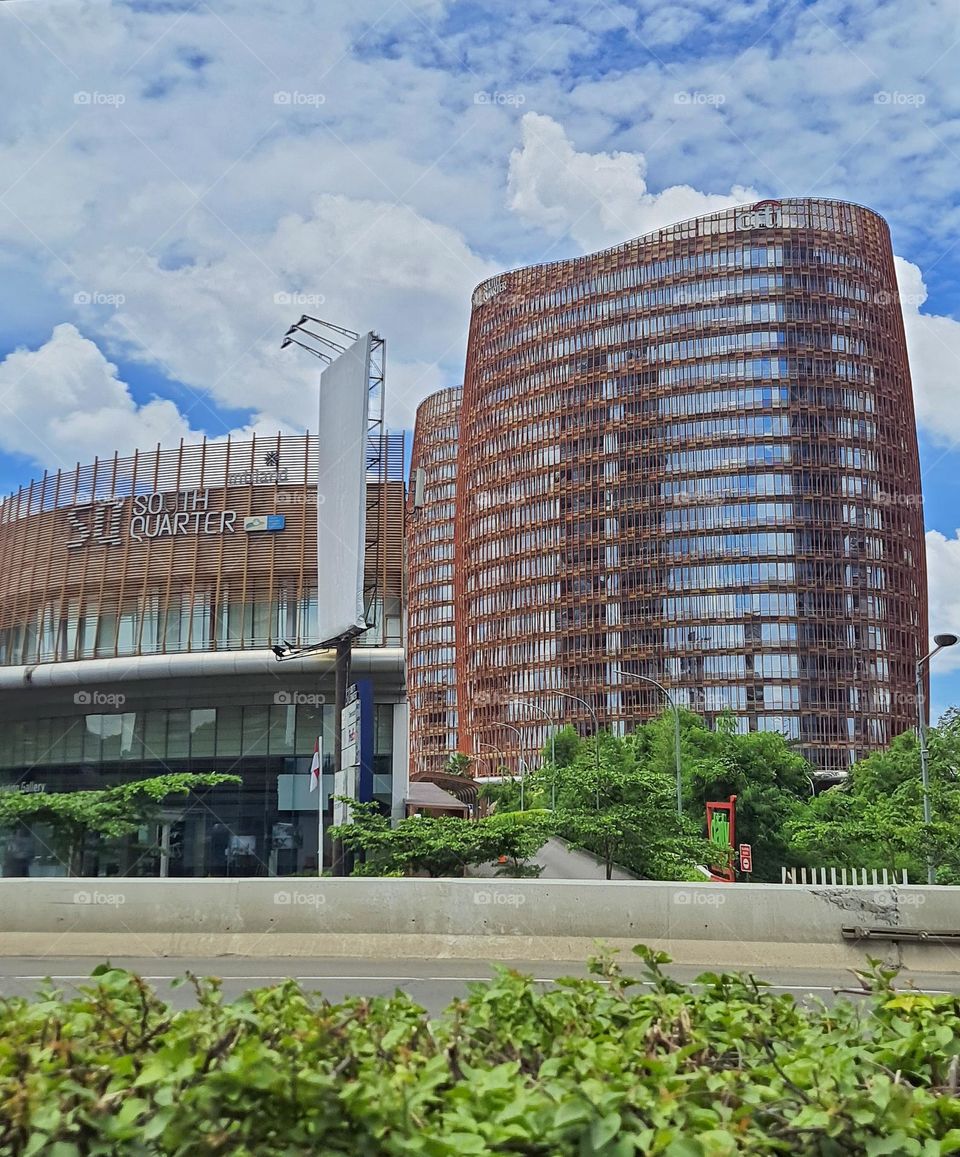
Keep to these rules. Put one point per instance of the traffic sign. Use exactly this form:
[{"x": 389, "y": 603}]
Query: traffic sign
[{"x": 746, "y": 858}]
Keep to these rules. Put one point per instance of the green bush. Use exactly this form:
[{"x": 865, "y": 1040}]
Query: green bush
[{"x": 588, "y": 1067}]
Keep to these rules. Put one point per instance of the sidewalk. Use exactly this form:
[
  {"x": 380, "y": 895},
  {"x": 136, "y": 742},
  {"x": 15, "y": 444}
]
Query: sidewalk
[{"x": 561, "y": 862}]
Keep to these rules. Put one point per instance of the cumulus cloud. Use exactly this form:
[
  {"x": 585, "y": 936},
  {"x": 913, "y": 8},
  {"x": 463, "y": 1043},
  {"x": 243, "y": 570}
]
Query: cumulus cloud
[
  {"x": 933, "y": 345},
  {"x": 943, "y": 565},
  {"x": 598, "y": 198},
  {"x": 63, "y": 403}
]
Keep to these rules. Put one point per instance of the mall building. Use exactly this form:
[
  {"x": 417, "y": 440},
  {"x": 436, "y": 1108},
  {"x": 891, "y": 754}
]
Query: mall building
[
  {"x": 688, "y": 460},
  {"x": 139, "y": 601}
]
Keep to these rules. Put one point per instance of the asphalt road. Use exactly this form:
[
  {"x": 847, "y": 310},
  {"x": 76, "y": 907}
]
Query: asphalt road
[{"x": 432, "y": 983}]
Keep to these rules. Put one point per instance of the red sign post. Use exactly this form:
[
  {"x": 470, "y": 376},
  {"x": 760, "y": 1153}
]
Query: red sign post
[
  {"x": 746, "y": 859},
  {"x": 721, "y": 825}
]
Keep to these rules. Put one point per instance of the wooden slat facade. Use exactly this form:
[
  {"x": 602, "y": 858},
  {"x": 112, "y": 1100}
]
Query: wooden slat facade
[{"x": 81, "y": 576}]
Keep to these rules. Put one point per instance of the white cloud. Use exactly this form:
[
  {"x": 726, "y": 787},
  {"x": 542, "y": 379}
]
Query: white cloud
[
  {"x": 933, "y": 345},
  {"x": 598, "y": 198},
  {"x": 943, "y": 566},
  {"x": 200, "y": 198},
  {"x": 63, "y": 403}
]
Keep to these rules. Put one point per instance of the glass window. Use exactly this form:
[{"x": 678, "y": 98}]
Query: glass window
[
  {"x": 155, "y": 735},
  {"x": 111, "y": 735},
  {"x": 203, "y": 730},
  {"x": 131, "y": 743},
  {"x": 229, "y": 721},
  {"x": 283, "y": 726},
  {"x": 309, "y": 726},
  {"x": 178, "y": 734},
  {"x": 256, "y": 725},
  {"x": 71, "y": 741},
  {"x": 383, "y": 729},
  {"x": 91, "y": 738}
]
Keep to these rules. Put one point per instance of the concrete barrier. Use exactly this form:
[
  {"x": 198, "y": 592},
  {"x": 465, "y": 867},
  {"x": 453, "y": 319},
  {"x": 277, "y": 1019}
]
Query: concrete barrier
[{"x": 728, "y": 925}]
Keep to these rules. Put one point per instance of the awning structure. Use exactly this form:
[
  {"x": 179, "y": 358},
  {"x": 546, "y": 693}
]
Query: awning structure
[{"x": 423, "y": 794}]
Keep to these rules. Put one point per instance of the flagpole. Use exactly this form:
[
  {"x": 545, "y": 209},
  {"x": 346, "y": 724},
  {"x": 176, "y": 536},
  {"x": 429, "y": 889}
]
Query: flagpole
[
  {"x": 320, "y": 821},
  {"x": 316, "y": 784}
]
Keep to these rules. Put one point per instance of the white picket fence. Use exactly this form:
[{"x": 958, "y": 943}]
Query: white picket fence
[{"x": 850, "y": 877}]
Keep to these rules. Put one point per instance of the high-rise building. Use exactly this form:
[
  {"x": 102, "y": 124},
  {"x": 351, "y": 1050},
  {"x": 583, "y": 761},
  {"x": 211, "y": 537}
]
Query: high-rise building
[
  {"x": 693, "y": 456},
  {"x": 431, "y": 672}
]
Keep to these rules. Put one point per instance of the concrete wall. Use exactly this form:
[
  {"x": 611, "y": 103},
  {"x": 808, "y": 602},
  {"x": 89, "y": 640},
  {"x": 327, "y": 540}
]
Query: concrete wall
[{"x": 739, "y": 925}]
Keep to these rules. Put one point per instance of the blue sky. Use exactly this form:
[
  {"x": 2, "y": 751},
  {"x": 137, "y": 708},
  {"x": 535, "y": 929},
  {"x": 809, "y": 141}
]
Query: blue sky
[{"x": 180, "y": 180}]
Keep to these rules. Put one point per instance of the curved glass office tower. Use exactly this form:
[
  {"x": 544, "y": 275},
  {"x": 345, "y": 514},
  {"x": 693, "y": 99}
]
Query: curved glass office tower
[
  {"x": 431, "y": 674},
  {"x": 693, "y": 457}
]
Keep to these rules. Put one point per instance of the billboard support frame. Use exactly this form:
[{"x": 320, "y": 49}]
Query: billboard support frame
[{"x": 374, "y": 534}]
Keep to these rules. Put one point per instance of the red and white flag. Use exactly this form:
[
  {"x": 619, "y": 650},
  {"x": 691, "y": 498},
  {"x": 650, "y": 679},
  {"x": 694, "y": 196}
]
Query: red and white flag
[{"x": 315, "y": 767}]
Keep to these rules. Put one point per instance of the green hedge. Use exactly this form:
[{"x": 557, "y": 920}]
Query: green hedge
[{"x": 590, "y": 1067}]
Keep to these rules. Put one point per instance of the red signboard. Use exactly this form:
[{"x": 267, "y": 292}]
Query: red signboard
[
  {"x": 746, "y": 858},
  {"x": 721, "y": 823}
]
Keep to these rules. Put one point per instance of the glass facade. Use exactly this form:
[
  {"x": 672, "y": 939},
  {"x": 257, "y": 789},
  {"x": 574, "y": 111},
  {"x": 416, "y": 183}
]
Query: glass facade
[
  {"x": 207, "y": 547},
  {"x": 138, "y": 599},
  {"x": 267, "y": 825},
  {"x": 431, "y": 637},
  {"x": 696, "y": 442}
]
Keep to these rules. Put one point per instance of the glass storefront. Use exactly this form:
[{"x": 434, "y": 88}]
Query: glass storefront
[{"x": 266, "y": 825}]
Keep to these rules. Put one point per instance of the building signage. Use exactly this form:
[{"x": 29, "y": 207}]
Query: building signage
[
  {"x": 489, "y": 289},
  {"x": 764, "y": 215},
  {"x": 168, "y": 514}
]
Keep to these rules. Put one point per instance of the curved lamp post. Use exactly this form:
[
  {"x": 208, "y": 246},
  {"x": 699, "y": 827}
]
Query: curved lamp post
[
  {"x": 596, "y": 731},
  {"x": 676, "y": 727},
  {"x": 522, "y": 761},
  {"x": 493, "y": 747},
  {"x": 553, "y": 751},
  {"x": 941, "y": 641}
]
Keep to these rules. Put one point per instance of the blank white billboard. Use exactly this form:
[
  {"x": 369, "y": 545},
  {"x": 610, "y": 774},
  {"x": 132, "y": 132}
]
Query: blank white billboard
[{"x": 342, "y": 491}]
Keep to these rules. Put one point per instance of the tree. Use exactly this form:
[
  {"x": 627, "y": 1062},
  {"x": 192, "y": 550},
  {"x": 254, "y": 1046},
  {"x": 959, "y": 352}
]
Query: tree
[
  {"x": 769, "y": 778},
  {"x": 875, "y": 818},
  {"x": 458, "y": 764},
  {"x": 772, "y": 784},
  {"x": 625, "y": 813},
  {"x": 73, "y": 816},
  {"x": 439, "y": 845}
]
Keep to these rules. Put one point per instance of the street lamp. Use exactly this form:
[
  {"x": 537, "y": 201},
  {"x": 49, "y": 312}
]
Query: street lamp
[
  {"x": 493, "y": 747},
  {"x": 553, "y": 750},
  {"x": 596, "y": 731},
  {"x": 941, "y": 641},
  {"x": 676, "y": 728},
  {"x": 522, "y": 761}
]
